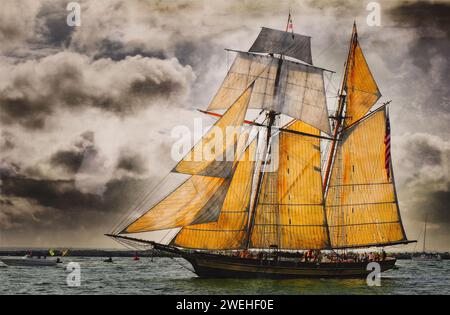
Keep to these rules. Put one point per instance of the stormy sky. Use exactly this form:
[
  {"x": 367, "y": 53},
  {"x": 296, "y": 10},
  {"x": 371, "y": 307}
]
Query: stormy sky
[{"x": 86, "y": 112}]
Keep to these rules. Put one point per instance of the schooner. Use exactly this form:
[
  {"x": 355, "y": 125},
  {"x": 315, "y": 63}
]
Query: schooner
[{"x": 252, "y": 217}]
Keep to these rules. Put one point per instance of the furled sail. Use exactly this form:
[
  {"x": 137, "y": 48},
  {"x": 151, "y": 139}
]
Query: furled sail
[
  {"x": 284, "y": 43},
  {"x": 198, "y": 200},
  {"x": 300, "y": 91},
  {"x": 290, "y": 212},
  {"x": 362, "y": 90},
  {"x": 230, "y": 229},
  {"x": 214, "y": 154},
  {"x": 361, "y": 204}
]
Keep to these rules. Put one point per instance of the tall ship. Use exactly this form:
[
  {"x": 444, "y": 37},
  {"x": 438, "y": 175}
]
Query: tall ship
[{"x": 300, "y": 194}]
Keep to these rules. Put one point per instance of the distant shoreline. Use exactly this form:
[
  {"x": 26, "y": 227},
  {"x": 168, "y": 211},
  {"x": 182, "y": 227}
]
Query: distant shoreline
[
  {"x": 131, "y": 253},
  {"x": 86, "y": 253}
]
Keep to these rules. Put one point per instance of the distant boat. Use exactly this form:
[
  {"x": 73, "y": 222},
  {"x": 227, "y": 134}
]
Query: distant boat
[
  {"x": 424, "y": 256},
  {"x": 136, "y": 257},
  {"x": 28, "y": 261},
  {"x": 108, "y": 260}
]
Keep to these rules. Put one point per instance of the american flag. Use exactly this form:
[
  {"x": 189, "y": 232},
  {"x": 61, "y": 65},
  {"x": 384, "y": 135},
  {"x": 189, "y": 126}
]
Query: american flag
[
  {"x": 387, "y": 150},
  {"x": 290, "y": 26}
]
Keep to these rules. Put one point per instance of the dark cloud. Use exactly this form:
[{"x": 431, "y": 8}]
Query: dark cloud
[
  {"x": 424, "y": 152},
  {"x": 133, "y": 163},
  {"x": 37, "y": 89},
  {"x": 425, "y": 169},
  {"x": 431, "y": 45},
  {"x": 52, "y": 23},
  {"x": 431, "y": 23},
  {"x": 6, "y": 141},
  {"x": 71, "y": 160},
  {"x": 57, "y": 194},
  {"x": 65, "y": 205},
  {"x": 17, "y": 22}
]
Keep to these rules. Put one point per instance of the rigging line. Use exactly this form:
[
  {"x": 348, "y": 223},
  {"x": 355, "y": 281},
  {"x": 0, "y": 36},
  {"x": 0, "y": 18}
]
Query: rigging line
[
  {"x": 254, "y": 123},
  {"x": 144, "y": 201},
  {"x": 187, "y": 227},
  {"x": 137, "y": 205},
  {"x": 260, "y": 174},
  {"x": 213, "y": 230},
  {"x": 362, "y": 204},
  {"x": 294, "y": 62},
  {"x": 145, "y": 210},
  {"x": 168, "y": 232},
  {"x": 371, "y": 113},
  {"x": 362, "y": 184}
]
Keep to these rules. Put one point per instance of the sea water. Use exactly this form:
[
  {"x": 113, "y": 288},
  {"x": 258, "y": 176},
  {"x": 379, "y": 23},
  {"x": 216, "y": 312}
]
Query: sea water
[{"x": 172, "y": 276}]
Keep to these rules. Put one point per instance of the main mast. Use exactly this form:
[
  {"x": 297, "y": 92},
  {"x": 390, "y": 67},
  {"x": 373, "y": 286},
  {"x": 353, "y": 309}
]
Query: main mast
[{"x": 271, "y": 115}]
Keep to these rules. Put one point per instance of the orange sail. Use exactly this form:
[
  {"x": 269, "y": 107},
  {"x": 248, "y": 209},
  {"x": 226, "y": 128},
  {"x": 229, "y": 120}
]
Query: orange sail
[
  {"x": 361, "y": 204},
  {"x": 230, "y": 229},
  {"x": 362, "y": 90},
  {"x": 290, "y": 211}
]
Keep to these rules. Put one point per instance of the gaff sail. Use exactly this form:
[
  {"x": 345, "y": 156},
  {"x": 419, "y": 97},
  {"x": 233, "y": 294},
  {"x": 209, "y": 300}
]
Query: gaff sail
[{"x": 362, "y": 206}]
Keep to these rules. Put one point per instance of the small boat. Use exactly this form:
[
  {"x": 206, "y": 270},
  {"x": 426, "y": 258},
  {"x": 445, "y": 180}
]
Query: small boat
[
  {"x": 28, "y": 261},
  {"x": 136, "y": 257},
  {"x": 427, "y": 257},
  {"x": 109, "y": 260},
  {"x": 424, "y": 256}
]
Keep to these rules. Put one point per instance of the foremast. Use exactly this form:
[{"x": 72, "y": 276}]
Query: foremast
[{"x": 339, "y": 115}]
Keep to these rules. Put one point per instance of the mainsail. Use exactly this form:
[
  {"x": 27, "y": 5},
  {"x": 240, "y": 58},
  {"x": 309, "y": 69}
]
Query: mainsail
[{"x": 290, "y": 212}]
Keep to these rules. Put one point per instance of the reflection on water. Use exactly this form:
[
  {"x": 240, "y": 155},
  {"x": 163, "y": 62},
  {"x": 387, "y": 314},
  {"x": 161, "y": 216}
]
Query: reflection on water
[{"x": 164, "y": 276}]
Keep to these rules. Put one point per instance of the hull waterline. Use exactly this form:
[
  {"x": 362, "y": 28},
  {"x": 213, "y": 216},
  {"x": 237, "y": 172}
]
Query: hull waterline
[{"x": 212, "y": 266}]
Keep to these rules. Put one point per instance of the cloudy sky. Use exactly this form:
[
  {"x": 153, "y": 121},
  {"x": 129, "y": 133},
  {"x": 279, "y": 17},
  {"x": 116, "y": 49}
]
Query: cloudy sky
[{"x": 86, "y": 112}]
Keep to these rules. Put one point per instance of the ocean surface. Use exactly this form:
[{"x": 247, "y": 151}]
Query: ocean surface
[{"x": 169, "y": 276}]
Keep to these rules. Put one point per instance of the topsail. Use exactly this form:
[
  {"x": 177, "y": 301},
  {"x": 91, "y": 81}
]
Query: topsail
[
  {"x": 362, "y": 90},
  {"x": 284, "y": 43},
  {"x": 299, "y": 93}
]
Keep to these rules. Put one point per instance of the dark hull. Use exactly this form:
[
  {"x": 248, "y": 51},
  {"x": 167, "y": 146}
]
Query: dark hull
[
  {"x": 208, "y": 265},
  {"x": 215, "y": 266}
]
